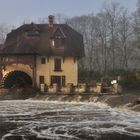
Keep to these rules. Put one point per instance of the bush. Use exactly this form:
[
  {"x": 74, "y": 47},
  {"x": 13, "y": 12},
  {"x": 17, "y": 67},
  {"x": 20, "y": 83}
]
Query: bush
[{"x": 130, "y": 80}]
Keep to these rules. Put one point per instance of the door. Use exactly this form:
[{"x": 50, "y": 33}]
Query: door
[
  {"x": 56, "y": 80},
  {"x": 59, "y": 80}
]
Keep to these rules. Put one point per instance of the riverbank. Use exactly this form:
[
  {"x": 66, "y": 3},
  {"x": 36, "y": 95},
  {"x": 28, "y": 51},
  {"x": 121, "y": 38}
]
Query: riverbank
[{"x": 127, "y": 100}]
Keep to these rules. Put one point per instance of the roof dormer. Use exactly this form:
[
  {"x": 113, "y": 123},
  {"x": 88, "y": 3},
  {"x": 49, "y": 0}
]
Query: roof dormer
[
  {"x": 58, "y": 38},
  {"x": 33, "y": 31},
  {"x": 58, "y": 33}
]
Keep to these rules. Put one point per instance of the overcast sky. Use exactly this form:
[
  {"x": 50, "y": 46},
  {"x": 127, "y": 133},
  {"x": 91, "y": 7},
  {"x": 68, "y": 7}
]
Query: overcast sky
[{"x": 14, "y": 12}]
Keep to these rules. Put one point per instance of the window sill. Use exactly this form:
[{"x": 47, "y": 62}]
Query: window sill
[{"x": 58, "y": 70}]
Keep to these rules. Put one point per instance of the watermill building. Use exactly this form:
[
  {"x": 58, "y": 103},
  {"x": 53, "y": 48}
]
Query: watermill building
[{"x": 35, "y": 54}]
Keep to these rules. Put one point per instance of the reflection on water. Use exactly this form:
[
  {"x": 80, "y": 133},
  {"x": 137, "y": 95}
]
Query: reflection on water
[{"x": 32, "y": 120}]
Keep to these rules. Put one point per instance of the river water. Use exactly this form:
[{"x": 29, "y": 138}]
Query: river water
[{"x": 43, "y": 120}]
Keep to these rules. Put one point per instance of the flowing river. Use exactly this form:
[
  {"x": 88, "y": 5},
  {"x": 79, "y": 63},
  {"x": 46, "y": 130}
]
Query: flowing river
[{"x": 43, "y": 120}]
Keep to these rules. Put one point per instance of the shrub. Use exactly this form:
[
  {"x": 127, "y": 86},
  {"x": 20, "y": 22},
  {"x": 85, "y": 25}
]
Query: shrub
[{"x": 130, "y": 80}]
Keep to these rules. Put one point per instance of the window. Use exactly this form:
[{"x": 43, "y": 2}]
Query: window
[
  {"x": 43, "y": 61},
  {"x": 41, "y": 80},
  {"x": 33, "y": 33},
  {"x": 58, "y": 42},
  {"x": 34, "y": 30},
  {"x": 56, "y": 80},
  {"x": 57, "y": 64},
  {"x": 53, "y": 43}
]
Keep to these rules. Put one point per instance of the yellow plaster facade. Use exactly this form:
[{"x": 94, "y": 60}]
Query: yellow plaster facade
[
  {"x": 68, "y": 65},
  {"x": 69, "y": 68},
  {"x": 18, "y": 67}
]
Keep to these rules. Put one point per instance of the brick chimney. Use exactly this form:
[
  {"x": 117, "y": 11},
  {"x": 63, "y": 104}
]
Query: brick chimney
[{"x": 51, "y": 20}]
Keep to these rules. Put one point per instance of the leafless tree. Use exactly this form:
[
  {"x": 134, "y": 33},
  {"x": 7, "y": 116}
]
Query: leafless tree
[
  {"x": 4, "y": 29},
  {"x": 113, "y": 12}
]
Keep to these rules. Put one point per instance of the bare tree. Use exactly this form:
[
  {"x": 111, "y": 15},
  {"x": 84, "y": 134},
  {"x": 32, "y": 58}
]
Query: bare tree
[
  {"x": 136, "y": 24},
  {"x": 125, "y": 34},
  {"x": 102, "y": 34},
  {"x": 113, "y": 12},
  {"x": 4, "y": 29}
]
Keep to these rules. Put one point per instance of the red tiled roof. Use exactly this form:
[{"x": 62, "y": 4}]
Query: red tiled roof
[{"x": 35, "y": 38}]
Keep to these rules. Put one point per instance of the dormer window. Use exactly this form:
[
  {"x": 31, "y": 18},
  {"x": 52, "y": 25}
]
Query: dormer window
[
  {"x": 57, "y": 42},
  {"x": 33, "y": 31},
  {"x": 57, "y": 39},
  {"x": 53, "y": 42}
]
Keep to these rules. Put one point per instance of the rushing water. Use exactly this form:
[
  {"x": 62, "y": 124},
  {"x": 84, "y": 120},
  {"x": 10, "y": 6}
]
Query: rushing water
[{"x": 34, "y": 120}]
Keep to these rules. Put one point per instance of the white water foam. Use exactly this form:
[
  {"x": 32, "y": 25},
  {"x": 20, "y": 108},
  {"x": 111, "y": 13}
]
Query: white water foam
[{"x": 66, "y": 120}]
